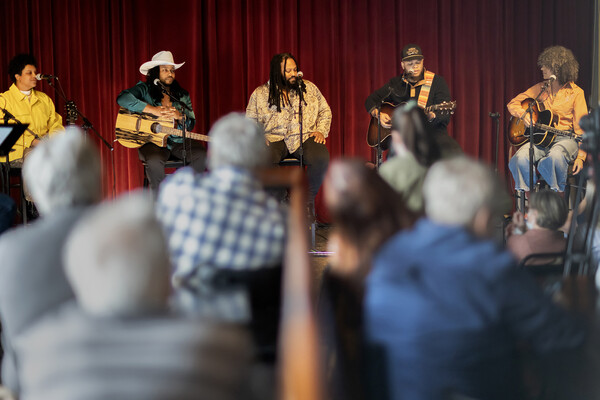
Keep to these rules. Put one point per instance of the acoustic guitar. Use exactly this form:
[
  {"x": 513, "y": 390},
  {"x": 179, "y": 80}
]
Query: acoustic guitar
[
  {"x": 447, "y": 107},
  {"x": 544, "y": 131},
  {"x": 134, "y": 129}
]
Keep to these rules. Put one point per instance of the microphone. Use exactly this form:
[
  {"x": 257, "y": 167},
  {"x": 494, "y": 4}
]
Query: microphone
[
  {"x": 552, "y": 78},
  {"x": 494, "y": 114},
  {"x": 157, "y": 82},
  {"x": 40, "y": 77},
  {"x": 300, "y": 75}
]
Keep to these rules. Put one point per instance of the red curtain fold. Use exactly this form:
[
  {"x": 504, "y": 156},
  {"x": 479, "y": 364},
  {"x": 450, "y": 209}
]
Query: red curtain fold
[{"x": 486, "y": 50}]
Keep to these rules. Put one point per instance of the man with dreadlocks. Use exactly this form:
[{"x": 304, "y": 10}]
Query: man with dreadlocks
[
  {"x": 148, "y": 97},
  {"x": 275, "y": 106},
  {"x": 559, "y": 94}
]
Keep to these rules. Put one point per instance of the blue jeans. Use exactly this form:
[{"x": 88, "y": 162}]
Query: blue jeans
[{"x": 552, "y": 164}]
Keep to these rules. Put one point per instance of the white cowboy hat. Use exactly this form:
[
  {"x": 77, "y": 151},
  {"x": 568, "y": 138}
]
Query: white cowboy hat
[{"x": 160, "y": 58}]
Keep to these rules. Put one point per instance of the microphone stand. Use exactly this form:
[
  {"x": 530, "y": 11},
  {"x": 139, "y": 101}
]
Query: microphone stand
[
  {"x": 8, "y": 116},
  {"x": 529, "y": 111},
  {"x": 378, "y": 148},
  {"x": 88, "y": 126},
  {"x": 496, "y": 118},
  {"x": 301, "y": 88},
  {"x": 184, "y": 108}
]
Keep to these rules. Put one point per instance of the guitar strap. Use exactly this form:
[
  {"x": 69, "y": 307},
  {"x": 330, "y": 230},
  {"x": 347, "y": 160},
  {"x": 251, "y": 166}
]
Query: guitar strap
[{"x": 424, "y": 93}]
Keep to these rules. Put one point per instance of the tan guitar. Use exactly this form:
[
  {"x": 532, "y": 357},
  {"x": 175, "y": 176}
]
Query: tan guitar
[
  {"x": 447, "y": 107},
  {"x": 134, "y": 130}
]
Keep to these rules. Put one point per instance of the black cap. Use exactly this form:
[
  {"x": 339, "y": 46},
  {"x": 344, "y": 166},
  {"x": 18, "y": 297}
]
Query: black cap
[{"x": 411, "y": 52}]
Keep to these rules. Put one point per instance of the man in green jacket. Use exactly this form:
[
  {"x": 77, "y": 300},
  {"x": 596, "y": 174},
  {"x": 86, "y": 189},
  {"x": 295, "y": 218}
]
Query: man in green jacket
[{"x": 151, "y": 97}]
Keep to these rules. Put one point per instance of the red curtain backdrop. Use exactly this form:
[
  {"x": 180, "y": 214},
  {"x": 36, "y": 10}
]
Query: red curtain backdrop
[{"x": 486, "y": 50}]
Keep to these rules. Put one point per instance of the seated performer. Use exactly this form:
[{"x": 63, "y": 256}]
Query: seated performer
[
  {"x": 564, "y": 99},
  {"x": 148, "y": 97},
  {"x": 423, "y": 86},
  {"x": 28, "y": 106},
  {"x": 274, "y": 105}
]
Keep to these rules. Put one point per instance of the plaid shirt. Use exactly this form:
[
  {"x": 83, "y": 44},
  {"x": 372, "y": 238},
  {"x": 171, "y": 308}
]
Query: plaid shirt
[{"x": 220, "y": 220}]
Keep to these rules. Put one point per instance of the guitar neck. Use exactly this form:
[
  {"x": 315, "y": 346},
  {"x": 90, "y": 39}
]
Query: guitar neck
[
  {"x": 446, "y": 106},
  {"x": 179, "y": 132},
  {"x": 549, "y": 128}
]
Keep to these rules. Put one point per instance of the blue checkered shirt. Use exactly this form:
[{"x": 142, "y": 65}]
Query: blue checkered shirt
[{"x": 219, "y": 220}]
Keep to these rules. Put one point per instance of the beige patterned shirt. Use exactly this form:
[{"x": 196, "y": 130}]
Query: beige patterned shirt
[{"x": 285, "y": 125}]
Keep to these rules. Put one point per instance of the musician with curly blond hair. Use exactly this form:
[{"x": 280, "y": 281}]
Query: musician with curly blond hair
[{"x": 558, "y": 105}]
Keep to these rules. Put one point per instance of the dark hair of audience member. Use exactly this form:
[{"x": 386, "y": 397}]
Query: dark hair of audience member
[
  {"x": 551, "y": 209},
  {"x": 409, "y": 121},
  {"x": 366, "y": 211}
]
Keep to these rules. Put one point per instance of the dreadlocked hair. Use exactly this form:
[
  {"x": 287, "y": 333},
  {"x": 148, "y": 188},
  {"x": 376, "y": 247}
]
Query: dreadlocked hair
[
  {"x": 561, "y": 62},
  {"x": 277, "y": 81},
  {"x": 156, "y": 92}
]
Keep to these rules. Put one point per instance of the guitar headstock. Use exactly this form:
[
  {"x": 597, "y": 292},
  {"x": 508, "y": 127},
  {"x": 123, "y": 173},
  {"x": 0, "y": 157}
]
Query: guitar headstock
[
  {"x": 446, "y": 107},
  {"x": 71, "y": 111}
]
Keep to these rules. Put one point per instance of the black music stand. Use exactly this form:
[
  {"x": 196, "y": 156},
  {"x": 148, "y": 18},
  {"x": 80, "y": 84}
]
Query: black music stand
[{"x": 9, "y": 134}]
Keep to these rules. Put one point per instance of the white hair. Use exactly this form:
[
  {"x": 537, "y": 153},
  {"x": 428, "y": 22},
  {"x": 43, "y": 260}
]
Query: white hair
[
  {"x": 455, "y": 190},
  {"x": 237, "y": 141},
  {"x": 63, "y": 171},
  {"x": 116, "y": 258}
]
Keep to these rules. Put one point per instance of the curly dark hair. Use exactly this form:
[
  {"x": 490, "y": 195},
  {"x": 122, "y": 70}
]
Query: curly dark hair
[
  {"x": 409, "y": 121},
  {"x": 18, "y": 62},
  {"x": 561, "y": 62},
  {"x": 277, "y": 82}
]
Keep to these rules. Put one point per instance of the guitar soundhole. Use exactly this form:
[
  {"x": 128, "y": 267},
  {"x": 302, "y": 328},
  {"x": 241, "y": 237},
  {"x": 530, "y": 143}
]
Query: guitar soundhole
[{"x": 156, "y": 127}]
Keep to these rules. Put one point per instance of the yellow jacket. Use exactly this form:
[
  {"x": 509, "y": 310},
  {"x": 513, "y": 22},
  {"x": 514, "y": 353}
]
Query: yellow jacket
[{"x": 38, "y": 111}]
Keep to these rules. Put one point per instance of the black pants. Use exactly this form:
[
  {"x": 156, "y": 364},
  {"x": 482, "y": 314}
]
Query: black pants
[
  {"x": 316, "y": 159},
  {"x": 155, "y": 157}
]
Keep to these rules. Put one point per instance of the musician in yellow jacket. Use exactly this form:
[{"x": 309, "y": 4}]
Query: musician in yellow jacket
[
  {"x": 565, "y": 100},
  {"x": 27, "y": 105}
]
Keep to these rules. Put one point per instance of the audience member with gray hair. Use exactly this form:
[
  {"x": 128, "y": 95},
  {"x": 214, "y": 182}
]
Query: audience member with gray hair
[
  {"x": 222, "y": 221},
  {"x": 540, "y": 232},
  {"x": 464, "y": 193},
  {"x": 117, "y": 340},
  {"x": 63, "y": 176},
  {"x": 448, "y": 307}
]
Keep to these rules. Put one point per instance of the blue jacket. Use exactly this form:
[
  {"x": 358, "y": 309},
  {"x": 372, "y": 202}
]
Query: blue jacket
[{"x": 447, "y": 311}]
